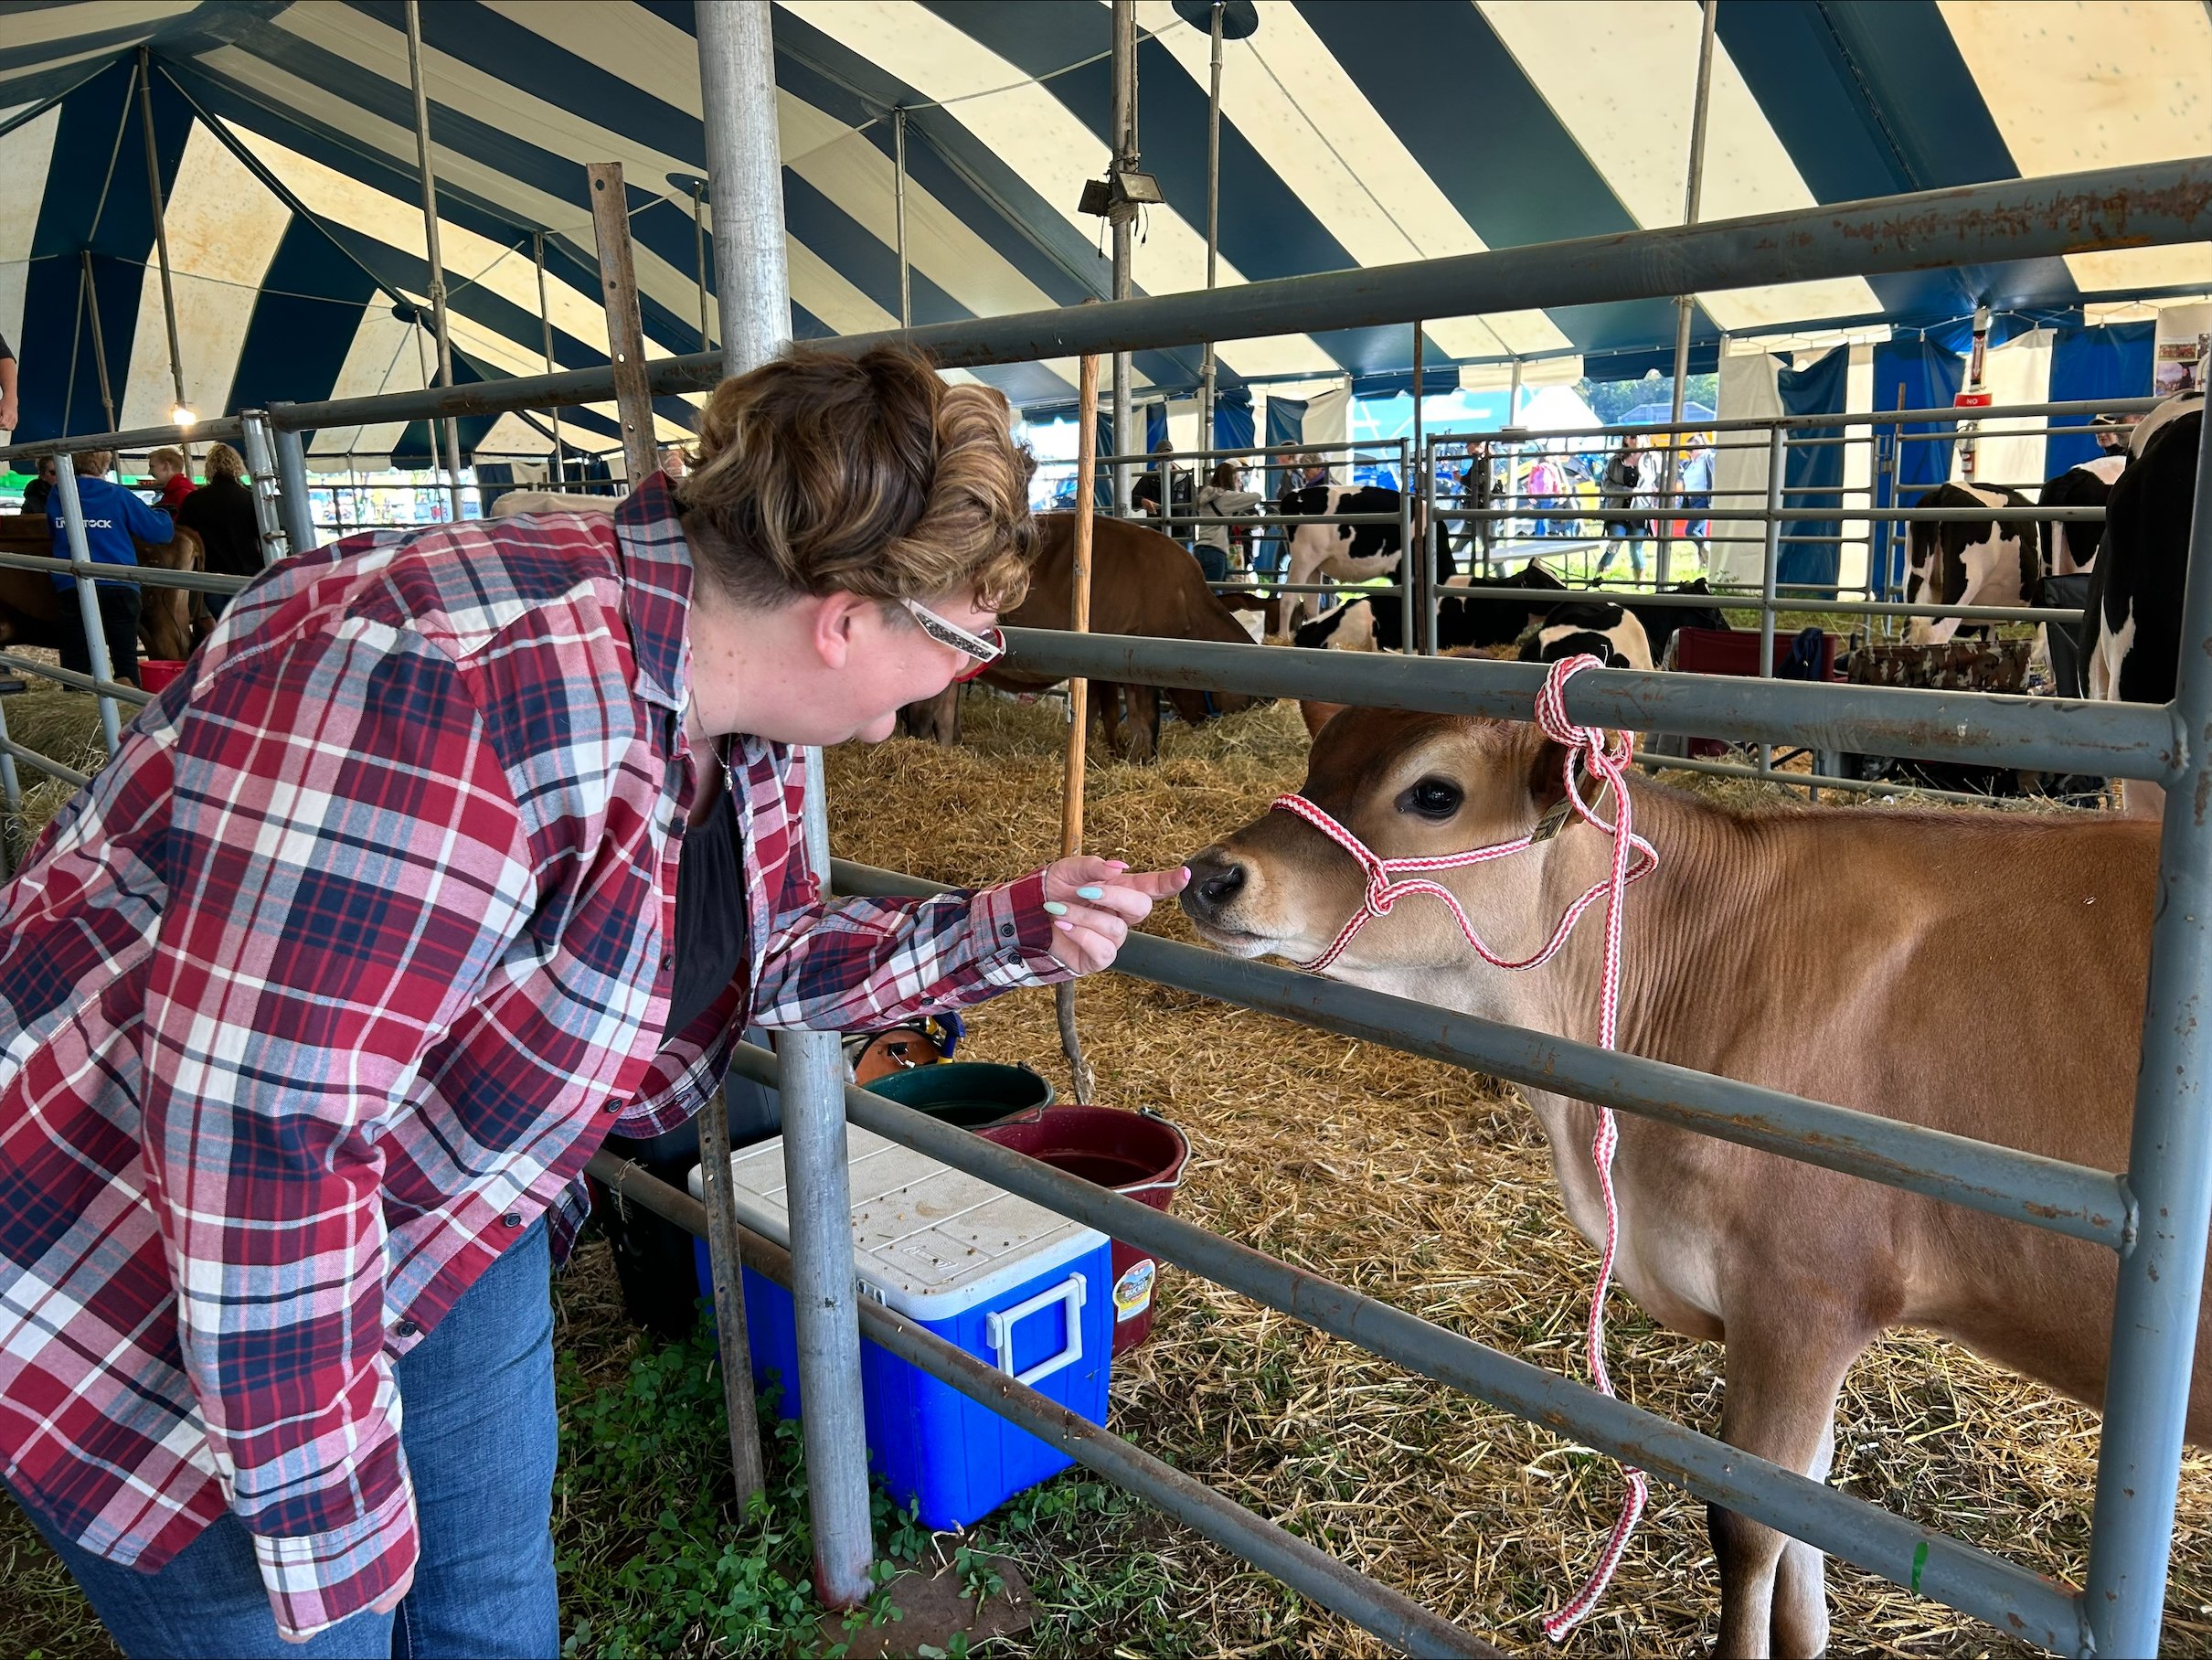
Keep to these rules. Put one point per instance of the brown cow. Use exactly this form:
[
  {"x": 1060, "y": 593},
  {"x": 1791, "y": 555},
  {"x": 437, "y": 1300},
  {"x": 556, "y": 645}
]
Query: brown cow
[
  {"x": 34, "y": 613},
  {"x": 1767, "y": 946},
  {"x": 1141, "y": 583}
]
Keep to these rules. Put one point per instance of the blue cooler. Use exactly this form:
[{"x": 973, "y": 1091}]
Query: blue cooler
[{"x": 1010, "y": 1282}]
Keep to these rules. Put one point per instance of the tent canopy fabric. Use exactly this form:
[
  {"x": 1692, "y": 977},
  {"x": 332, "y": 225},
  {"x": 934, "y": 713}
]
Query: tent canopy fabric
[{"x": 285, "y": 152}]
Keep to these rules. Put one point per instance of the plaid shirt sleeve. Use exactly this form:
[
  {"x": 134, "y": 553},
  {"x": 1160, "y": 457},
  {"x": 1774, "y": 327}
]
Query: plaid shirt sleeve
[
  {"x": 856, "y": 963},
  {"x": 349, "y": 861}
]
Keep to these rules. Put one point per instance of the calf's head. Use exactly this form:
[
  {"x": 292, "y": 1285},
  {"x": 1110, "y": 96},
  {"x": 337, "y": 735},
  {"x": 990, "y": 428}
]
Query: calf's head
[{"x": 1406, "y": 785}]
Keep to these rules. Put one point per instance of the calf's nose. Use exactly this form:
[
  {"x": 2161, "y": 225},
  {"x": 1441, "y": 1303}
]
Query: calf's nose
[{"x": 1215, "y": 880}]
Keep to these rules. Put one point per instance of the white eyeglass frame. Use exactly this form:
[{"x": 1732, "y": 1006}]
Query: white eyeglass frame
[{"x": 984, "y": 652}]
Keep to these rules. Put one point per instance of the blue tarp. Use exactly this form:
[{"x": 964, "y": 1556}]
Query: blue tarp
[
  {"x": 1911, "y": 375},
  {"x": 1232, "y": 419},
  {"x": 1818, "y": 390},
  {"x": 2113, "y": 361},
  {"x": 1285, "y": 425}
]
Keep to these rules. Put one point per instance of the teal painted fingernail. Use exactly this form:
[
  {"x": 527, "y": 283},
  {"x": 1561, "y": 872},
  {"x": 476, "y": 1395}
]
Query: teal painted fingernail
[
  {"x": 1090, "y": 893},
  {"x": 1054, "y": 907}
]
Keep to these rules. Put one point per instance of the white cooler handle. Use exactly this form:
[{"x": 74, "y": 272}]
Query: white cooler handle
[{"x": 998, "y": 1331}]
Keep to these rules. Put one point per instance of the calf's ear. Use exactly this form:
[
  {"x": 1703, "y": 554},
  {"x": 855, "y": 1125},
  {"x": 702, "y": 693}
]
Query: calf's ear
[{"x": 1317, "y": 715}]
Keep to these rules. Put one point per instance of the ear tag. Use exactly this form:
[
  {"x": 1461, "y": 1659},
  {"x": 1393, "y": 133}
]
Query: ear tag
[{"x": 1554, "y": 818}]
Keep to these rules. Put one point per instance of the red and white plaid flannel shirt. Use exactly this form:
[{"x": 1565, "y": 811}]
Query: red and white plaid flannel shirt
[{"x": 331, "y": 982}]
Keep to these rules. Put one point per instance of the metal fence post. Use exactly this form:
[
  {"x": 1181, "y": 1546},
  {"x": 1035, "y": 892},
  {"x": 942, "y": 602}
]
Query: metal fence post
[
  {"x": 268, "y": 495},
  {"x": 1770, "y": 560},
  {"x": 752, "y": 290},
  {"x": 2155, "y": 1316},
  {"x": 11, "y": 789},
  {"x": 88, "y": 599},
  {"x": 1408, "y": 556},
  {"x": 292, "y": 503}
]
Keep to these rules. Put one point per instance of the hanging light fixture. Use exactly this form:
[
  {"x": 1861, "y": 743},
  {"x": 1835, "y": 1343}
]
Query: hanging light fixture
[{"x": 182, "y": 415}]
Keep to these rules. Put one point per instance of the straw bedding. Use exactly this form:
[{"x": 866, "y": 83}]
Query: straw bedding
[{"x": 1429, "y": 1187}]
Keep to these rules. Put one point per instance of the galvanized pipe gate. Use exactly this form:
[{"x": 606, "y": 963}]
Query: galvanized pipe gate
[{"x": 2154, "y": 1215}]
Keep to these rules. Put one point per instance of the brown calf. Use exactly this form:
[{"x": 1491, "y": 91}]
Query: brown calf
[
  {"x": 1864, "y": 958},
  {"x": 1141, "y": 583}
]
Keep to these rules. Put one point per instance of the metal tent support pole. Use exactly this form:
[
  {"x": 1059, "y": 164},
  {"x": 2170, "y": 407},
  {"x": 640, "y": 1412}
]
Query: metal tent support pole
[
  {"x": 625, "y": 330},
  {"x": 1685, "y": 303},
  {"x": 11, "y": 790},
  {"x": 2154, "y": 1318},
  {"x": 99, "y": 340},
  {"x": 430, "y": 232},
  {"x": 1417, "y": 566},
  {"x": 544, "y": 327},
  {"x": 1122, "y": 217},
  {"x": 698, "y": 256},
  {"x": 1213, "y": 217},
  {"x": 294, "y": 506},
  {"x": 898, "y": 211},
  {"x": 1412, "y": 593},
  {"x": 1769, "y": 565},
  {"x": 268, "y": 497},
  {"x": 87, "y": 600},
  {"x": 161, "y": 246},
  {"x": 737, "y": 72}
]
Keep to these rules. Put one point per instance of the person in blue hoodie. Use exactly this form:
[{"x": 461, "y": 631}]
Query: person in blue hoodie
[{"x": 112, "y": 515}]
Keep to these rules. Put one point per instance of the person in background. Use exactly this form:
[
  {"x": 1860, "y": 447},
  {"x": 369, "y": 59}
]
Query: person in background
[
  {"x": 171, "y": 477},
  {"x": 1474, "y": 536},
  {"x": 113, "y": 517},
  {"x": 39, "y": 488},
  {"x": 1219, "y": 497},
  {"x": 1697, "y": 491},
  {"x": 2112, "y": 432},
  {"x": 1163, "y": 490},
  {"x": 10, "y": 410},
  {"x": 222, "y": 510},
  {"x": 1618, "y": 492}
]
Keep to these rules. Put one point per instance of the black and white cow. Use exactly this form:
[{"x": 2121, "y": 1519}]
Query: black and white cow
[
  {"x": 2069, "y": 548},
  {"x": 1347, "y": 553},
  {"x": 1464, "y": 617},
  {"x": 2132, "y": 624},
  {"x": 1661, "y": 621},
  {"x": 1990, "y": 561},
  {"x": 1609, "y": 632}
]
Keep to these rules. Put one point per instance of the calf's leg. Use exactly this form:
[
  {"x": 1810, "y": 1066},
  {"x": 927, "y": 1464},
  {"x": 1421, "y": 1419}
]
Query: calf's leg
[{"x": 1786, "y": 1360}]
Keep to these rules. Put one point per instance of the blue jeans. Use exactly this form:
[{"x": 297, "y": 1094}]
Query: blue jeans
[{"x": 478, "y": 1427}]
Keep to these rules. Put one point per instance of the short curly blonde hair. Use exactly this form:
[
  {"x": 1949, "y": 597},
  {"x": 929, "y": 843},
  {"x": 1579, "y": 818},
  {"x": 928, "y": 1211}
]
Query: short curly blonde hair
[{"x": 819, "y": 472}]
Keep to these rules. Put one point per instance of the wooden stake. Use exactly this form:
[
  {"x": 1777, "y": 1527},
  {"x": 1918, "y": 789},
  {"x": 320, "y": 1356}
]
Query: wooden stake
[
  {"x": 1079, "y": 699},
  {"x": 625, "y": 330}
]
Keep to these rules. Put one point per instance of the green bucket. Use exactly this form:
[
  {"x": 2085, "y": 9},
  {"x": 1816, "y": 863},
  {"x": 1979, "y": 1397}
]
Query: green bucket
[{"x": 967, "y": 1093}]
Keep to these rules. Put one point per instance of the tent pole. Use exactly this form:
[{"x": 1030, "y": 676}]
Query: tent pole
[
  {"x": 430, "y": 232},
  {"x": 1124, "y": 218},
  {"x": 100, "y": 343},
  {"x": 625, "y": 332},
  {"x": 698, "y": 255},
  {"x": 544, "y": 327},
  {"x": 752, "y": 290},
  {"x": 899, "y": 208},
  {"x": 1213, "y": 217},
  {"x": 160, "y": 244},
  {"x": 1685, "y": 303}
]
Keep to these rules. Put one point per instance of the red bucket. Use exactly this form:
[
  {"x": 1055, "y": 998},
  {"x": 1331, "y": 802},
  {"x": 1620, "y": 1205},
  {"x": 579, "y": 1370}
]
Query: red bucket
[
  {"x": 155, "y": 672},
  {"x": 1132, "y": 1153}
]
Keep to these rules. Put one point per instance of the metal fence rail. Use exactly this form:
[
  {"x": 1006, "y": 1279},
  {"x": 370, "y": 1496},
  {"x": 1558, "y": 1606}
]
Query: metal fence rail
[{"x": 1389, "y": 1614}]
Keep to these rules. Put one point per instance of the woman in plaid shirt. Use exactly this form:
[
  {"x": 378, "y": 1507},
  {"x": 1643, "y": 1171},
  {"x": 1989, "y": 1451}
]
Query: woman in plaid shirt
[{"x": 315, "y": 1002}]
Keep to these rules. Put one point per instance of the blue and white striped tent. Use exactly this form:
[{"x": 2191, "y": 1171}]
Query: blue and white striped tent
[{"x": 1356, "y": 133}]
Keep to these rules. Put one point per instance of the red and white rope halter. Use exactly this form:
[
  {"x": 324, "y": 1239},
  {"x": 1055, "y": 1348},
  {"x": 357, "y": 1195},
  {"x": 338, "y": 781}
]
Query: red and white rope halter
[{"x": 1605, "y": 756}]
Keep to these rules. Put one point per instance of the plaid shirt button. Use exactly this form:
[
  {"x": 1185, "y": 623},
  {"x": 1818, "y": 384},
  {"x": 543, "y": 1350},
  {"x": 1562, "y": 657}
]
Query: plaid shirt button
[
  {"x": 406, "y": 1328},
  {"x": 510, "y": 1220}
]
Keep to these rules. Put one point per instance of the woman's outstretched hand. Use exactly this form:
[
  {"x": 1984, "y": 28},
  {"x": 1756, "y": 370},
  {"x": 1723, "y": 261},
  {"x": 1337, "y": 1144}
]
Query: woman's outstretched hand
[{"x": 1095, "y": 902}]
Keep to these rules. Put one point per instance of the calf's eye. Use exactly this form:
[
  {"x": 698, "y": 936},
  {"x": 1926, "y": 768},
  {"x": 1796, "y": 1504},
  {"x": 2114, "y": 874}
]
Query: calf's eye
[{"x": 1432, "y": 798}]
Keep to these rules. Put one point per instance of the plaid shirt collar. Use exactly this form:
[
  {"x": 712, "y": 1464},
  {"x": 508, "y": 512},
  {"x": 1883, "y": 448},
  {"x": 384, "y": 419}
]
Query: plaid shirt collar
[{"x": 656, "y": 591}]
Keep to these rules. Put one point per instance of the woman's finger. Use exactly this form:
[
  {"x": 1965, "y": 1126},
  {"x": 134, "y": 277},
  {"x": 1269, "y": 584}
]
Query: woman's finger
[{"x": 1092, "y": 939}]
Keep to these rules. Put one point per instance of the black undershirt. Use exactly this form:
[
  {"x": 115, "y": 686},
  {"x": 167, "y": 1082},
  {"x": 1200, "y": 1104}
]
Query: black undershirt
[{"x": 710, "y": 938}]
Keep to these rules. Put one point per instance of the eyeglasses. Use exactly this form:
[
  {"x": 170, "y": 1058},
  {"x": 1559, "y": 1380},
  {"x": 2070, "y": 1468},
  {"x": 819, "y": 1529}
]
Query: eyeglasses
[{"x": 985, "y": 648}]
